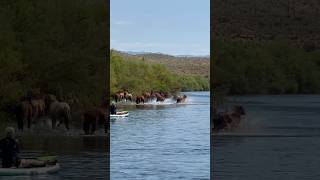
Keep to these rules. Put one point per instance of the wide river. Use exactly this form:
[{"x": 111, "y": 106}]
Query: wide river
[
  {"x": 163, "y": 140},
  {"x": 280, "y": 139}
]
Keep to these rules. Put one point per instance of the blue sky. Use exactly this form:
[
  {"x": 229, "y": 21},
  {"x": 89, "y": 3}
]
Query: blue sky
[{"x": 176, "y": 27}]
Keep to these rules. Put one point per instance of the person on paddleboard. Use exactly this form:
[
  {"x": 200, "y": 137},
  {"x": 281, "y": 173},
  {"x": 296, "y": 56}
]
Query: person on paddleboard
[
  {"x": 113, "y": 108},
  {"x": 9, "y": 149}
]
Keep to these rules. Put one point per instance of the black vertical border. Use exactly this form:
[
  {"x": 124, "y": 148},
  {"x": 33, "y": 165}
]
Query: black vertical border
[
  {"x": 212, "y": 80},
  {"x": 107, "y": 85}
]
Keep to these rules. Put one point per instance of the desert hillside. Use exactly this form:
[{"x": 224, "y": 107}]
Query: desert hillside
[
  {"x": 296, "y": 20},
  {"x": 183, "y": 65}
]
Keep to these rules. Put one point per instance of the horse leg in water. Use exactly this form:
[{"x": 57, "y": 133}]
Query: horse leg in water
[
  {"x": 54, "y": 121},
  {"x": 89, "y": 122},
  {"x": 86, "y": 127},
  {"x": 29, "y": 120},
  {"x": 66, "y": 120},
  {"x": 28, "y": 113},
  {"x": 95, "y": 124}
]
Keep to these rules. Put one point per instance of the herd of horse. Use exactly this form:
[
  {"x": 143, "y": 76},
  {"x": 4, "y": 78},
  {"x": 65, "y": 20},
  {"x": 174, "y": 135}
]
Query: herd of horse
[
  {"x": 32, "y": 109},
  {"x": 38, "y": 108},
  {"x": 146, "y": 97}
]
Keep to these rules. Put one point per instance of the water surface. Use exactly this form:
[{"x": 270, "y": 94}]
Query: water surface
[
  {"x": 280, "y": 140},
  {"x": 163, "y": 141}
]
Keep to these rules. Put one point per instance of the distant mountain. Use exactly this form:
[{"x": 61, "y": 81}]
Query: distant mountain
[
  {"x": 135, "y": 52},
  {"x": 189, "y": 65},
  {"x": 158, "y": 53},
  {"x": 193, "y": 56}
]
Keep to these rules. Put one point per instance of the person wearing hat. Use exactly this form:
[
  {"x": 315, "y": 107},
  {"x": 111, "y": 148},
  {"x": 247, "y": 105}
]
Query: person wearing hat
[
  {"x": 9, "y": 149},
  {"x": 113, "y": 108}
]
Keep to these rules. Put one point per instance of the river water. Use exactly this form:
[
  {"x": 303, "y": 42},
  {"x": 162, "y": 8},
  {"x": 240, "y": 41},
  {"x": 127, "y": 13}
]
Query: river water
[
  {"x": 280, "y": 139},
  {"x": 163, "y": 140}
]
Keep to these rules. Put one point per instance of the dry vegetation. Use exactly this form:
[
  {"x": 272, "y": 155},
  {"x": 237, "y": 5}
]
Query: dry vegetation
[
  {"x": 179, "y": 65},
  {"x": 296, "y": 20}
]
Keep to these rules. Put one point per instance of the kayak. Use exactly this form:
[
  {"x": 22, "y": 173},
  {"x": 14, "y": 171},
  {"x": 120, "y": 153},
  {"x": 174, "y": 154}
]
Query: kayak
[
  {"x": 29, "y": 171},
  {"x": 120, "y": 114}
]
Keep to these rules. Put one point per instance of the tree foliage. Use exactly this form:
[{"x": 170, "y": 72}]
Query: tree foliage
[
  {"x": 269, "y": 67},
  {"x": 53, "y": 47},
  {"x": 137, "y": 77}
]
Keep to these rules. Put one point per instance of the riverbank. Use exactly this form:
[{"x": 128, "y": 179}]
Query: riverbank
[
  {"x": 265, "y": 67},
  {"x": 137, "y": 76}
]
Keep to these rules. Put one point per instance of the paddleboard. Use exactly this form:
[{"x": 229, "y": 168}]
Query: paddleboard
[
  {"x": 29, "y": 171},
  {"x": 120, "y": 114}
]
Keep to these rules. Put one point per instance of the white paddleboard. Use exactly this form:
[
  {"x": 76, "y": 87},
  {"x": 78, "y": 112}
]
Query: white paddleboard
[
  {"x": 120, "y": 114},
  {"x": 29, "y": 171}
]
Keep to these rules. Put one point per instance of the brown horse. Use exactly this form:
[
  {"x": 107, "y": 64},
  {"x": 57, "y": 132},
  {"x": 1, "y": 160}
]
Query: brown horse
[
  {"x": 118, "y": 96},
  {"x": 140, "y": 99},
  {"x": 24, "y": 113},
  {"x": 229, "y": 120},
  {"x": 153, "y": 95},
  {"x": 58, "y": 111},
  {"x": 29, "y": 109},
  {"x": 38, "y": 106},
  {"x": 147, "y": 96},
  {"x": 181, "y": 99},
  {"x": 159, "y": 97},
  {"x": 93, "y": 117},
  {"x": 165, "y": 94},
  {"x": 121, "y": 95},
  {"x": 235, "y": 115},
  {"x": 128, "y": 97}
]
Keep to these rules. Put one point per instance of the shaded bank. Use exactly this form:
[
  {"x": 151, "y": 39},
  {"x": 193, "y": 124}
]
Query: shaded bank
[{"x": 265, "y": 67}]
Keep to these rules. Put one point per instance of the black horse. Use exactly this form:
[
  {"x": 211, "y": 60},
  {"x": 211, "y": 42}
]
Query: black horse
[{"x": 229, "y": 120}]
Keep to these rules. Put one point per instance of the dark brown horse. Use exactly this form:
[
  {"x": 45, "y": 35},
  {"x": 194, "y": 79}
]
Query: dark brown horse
[
  {"x": 116, "y": 97},
  {"x": 159, "y": 97},
  {"x": 147, "y": 96},
  {"x": 140, "y": 99},
  {"x": 229, "y": 120},
  {"x": 95, "y": 116},
  {"x": 24, "y": 114},
  {"x": 29, "y": 109},
  {"x": 181, "y": 99}
]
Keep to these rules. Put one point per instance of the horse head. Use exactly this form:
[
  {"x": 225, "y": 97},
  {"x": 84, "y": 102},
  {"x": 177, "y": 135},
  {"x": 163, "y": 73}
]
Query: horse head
[{"x": 239, "y": 109}]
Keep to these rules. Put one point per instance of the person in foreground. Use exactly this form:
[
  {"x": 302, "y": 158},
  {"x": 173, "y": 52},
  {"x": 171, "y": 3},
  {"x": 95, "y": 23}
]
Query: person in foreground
[
  {"x": 9, "y": 149},
  {"x": 10, "y": 153}
]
